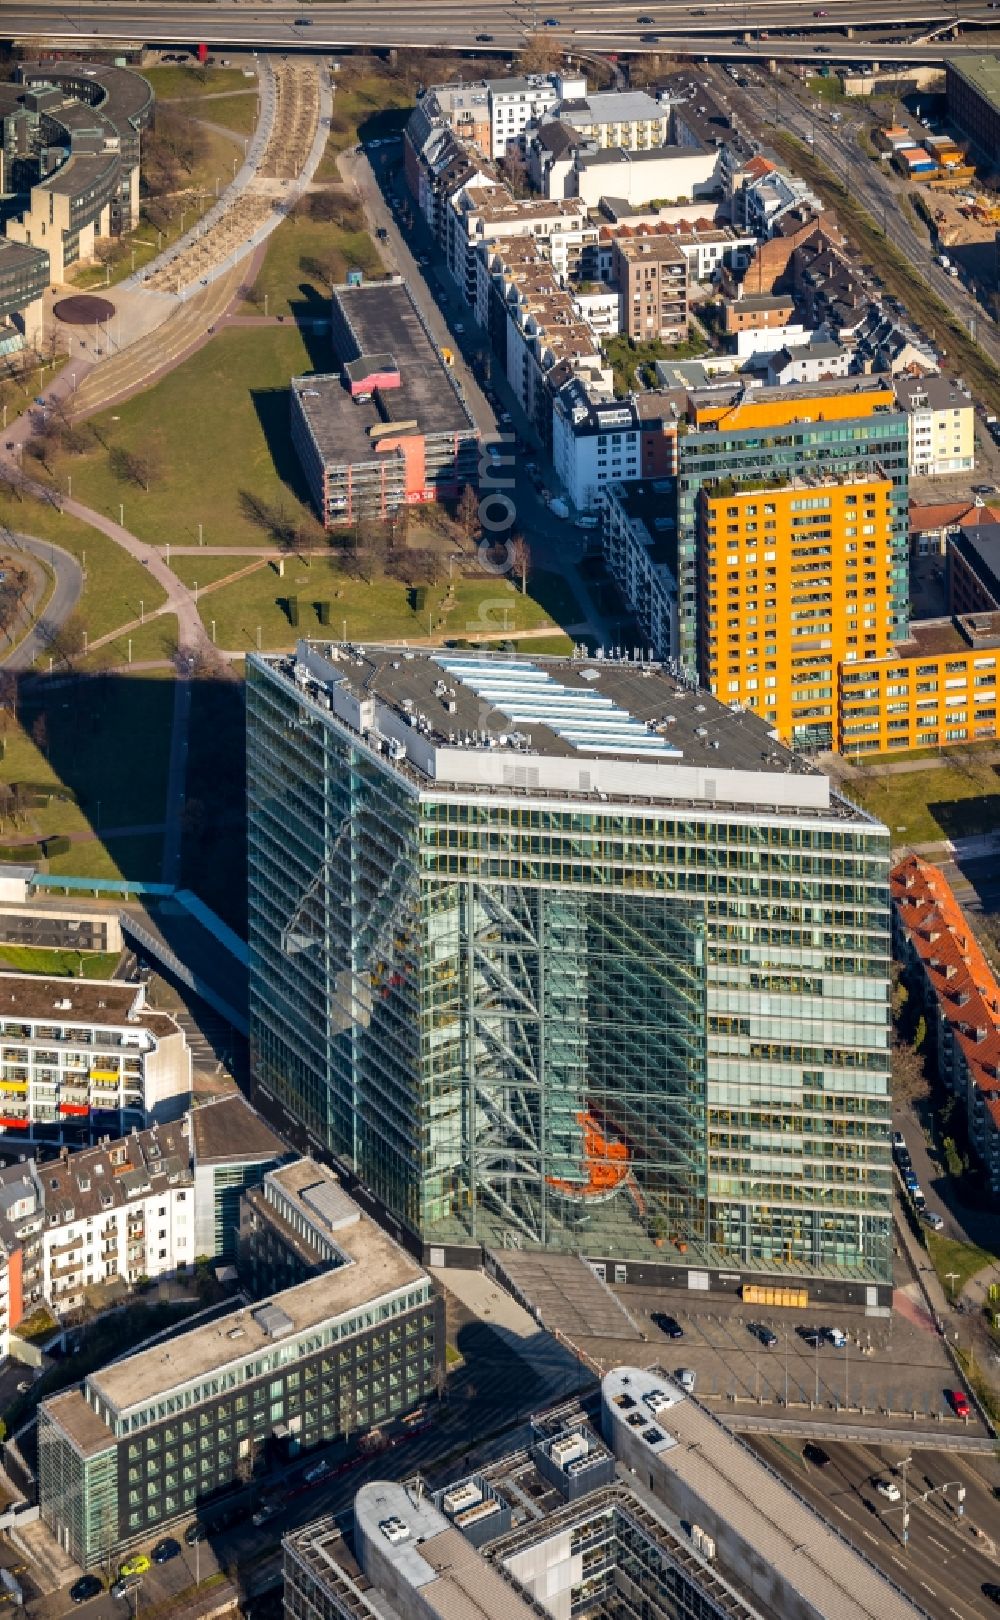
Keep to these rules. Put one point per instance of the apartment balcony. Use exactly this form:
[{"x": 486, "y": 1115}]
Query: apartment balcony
[{"x": 65, "y": 1248}]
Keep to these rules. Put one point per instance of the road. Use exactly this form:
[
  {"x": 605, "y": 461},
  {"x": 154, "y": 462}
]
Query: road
[
  {"x": 554, "y": 546},
  {"x": 67, "y": 590},
  {"x": 944, "y": 1565},
  {"x": 717, "y": 29}
]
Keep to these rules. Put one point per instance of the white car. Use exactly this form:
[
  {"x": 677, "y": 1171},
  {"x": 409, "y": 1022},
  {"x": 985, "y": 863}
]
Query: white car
[
  {"x": 889, "y": 1489},
  {"x": 316, "y": 1472}
]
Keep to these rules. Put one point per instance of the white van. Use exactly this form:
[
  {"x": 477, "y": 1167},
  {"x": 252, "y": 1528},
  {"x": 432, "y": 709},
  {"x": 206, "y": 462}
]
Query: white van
[{"x": 687, "y": 1379}]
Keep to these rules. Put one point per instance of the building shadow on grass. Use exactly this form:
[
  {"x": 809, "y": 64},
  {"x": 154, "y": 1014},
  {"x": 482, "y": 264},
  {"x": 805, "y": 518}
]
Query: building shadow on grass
[
  {"x": 273, "y": 407},
  {"x": 976, "y": 816},
  {"x": 106, "y": 739},
  {"x": 311, "y": 314}
]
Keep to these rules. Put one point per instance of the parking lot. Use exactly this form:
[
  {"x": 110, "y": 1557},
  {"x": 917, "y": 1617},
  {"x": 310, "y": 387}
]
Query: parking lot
[{"x": 896, "y": 1368}]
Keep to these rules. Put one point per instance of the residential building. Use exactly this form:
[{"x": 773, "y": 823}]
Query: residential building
[
  {"x": 635, "y": 176},
  {"x": 942, "y": 425},
  {"x": 960, "y": 997},
  {"x": 561, "y": 230},
  {"x": 792, "y": 543},
  {"x": 707, "y": 248},
  {"x": 70, "y": 140},
  {"x": 141, "y": 1442},
  {"x": 115, "y": 1214},
  {"x": 651, "y": 273},
  {"x": 515, "y": 103},
  {"x": 465, "y": 108},
  {"x": 390, "y": 428},
  {"x": 81, "y": 1057},
  {"x": 936, "y": 687},
  {"x": 972, "y": 86},
  {"x": 597, "y": 443},
  {"x": 629, "y": 119},
  {"x": 779, "y": 1549},
  {"x": 758, "y": 311},
  {"x": 932, "y": 526},
  {"x": 483, "y": 977},
  {"x": 536, "y": 331},
  {"x": 815, "y": 361},
  {"x": 232, "y": 1149},
  {"x": 638, "y": 539},
  {"x": 974, "y": 563},
  {"x": 21, "y": 1223}
]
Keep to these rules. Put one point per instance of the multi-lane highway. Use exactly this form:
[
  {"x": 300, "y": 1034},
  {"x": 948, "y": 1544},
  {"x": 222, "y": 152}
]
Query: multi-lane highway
[
  {"x": 788, "y": 28},
  {"x": 951, "y": 1549}
]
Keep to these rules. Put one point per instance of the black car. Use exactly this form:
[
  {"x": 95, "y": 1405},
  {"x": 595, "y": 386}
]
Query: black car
[
  {"x": 195, "y": 1532},
  {"x": 484, "y": 39},
  {"x": 649, "y": 39},
  {"x": 87, "y": 1587},
  {"x": 813, "y": 1337},
  {"x": 767, "y": 1338},
  {"x": 165, "y": 1550},
  {"x": 992, "y": 1591},
  {"x": 815, "y": 1454},
  {"x": 668, "y": 1325}
]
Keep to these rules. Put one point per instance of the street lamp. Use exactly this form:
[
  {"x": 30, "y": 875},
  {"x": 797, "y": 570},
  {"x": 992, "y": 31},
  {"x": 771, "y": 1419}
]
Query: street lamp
[{"x": 952, "y": 1278}]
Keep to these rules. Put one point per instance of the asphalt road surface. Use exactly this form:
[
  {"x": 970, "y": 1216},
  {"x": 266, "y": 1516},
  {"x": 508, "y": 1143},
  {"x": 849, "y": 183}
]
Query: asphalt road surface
[
  {"x": 718, "y": 29},
  {"x": 948, "y": 1557},
  {"x": 66, "y": 594}
]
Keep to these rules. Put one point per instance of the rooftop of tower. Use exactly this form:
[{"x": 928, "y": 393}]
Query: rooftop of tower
[{"x": 448, "y": 719}]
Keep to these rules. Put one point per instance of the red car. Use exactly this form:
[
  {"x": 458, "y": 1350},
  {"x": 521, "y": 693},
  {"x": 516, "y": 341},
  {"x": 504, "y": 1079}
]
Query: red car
[{"x": 959, "y": 1402}]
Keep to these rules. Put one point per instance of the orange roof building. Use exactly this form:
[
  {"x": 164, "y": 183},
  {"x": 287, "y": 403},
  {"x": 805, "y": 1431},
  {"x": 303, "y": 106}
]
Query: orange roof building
[{"x": 961, "y": 997}]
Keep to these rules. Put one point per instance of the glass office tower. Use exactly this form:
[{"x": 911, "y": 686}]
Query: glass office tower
[{"x": 569, "y": 956}]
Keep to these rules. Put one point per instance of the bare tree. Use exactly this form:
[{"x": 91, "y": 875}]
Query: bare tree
[
  {"x": 541, "y": 54},
  {"x": 468, "y": 512},
  {"x": 138, "y": 467},
  {"x": 521, "y": 559}
]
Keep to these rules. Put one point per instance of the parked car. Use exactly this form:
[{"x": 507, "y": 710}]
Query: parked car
[
  {"x": 267, "y": 1511},
  {"x": 815, "y": 1454},
  {"x": 87, "y": 1587},
  {"x": 687, "y": 1378},
  {"x": 898, "y": 1140},
  {"x": 837, "y": 1337},
  {"x": 316, "y": 1472},
  {"x": 195, "y": 1532},
  {"x": 813, "y": 1336},
  {"x": 766, "y": 1335},
  {"x": 889, "y": 1489},
  {"x": 933, "y": 1219},
  {"x": 959, "y": 1402},
  {"x": 136, "y": 1565},
  {"x": 667, "y": 1324},
  {"x": 165, "y": 1550}
]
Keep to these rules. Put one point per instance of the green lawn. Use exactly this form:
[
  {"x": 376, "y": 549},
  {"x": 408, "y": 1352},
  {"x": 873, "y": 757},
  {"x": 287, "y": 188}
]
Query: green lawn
[
  {"x": 59, "y": 964},
  {"x": 291, "y": 284},
  {"x": 153, "y": 641},
  {"x": 368, "y": 104},
  {"x": 237, "y": 112},
  {"x": 923, "y": 807},
  {"x": 480, "y": 607},
  {"x": 187, "y": 83},
  {"x": 964, "y": 1259},
  {"x": 236, "y": 389},
  {"x": 202, "y": 570}
]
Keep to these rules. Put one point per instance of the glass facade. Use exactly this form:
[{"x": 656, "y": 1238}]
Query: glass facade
[{"x": 601, "y": 1027}]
